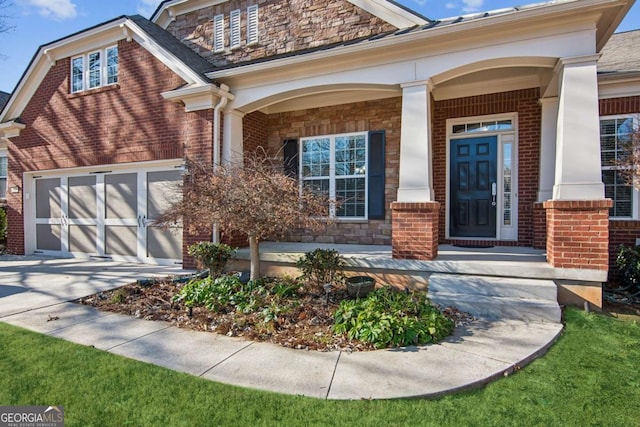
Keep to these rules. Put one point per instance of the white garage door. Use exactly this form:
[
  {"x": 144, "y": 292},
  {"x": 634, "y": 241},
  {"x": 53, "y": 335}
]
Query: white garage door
[{"x": 107, "y": 214}]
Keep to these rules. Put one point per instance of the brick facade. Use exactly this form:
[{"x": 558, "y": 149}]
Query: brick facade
[
  {"x": 415, "y": 230},
  {"x": 621, "y": 232},
  {"x": 578, "y": 233},
  {"x": 384, "y": 114},
  {"x": 525, "y": 103},
  {"x": 123, "y": 123},
  {"x": 285, "y": 26}
]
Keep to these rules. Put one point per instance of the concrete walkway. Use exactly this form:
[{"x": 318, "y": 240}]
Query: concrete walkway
[{"x": 34, "y": 294}]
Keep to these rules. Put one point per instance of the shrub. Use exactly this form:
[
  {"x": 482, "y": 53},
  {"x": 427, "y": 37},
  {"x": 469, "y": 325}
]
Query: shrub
[
  {"x": 228, "y": 293},
  {"x": 391, "y": 318},
  {"x": 3, "y": 223},
  {"x": 322, "y": 266},
  {"x": 211, "y": 256},
  {"x": 628, "y": 262}
]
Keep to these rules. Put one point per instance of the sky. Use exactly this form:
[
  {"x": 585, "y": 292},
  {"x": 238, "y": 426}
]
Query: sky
[{"x": 38, "y": 22}]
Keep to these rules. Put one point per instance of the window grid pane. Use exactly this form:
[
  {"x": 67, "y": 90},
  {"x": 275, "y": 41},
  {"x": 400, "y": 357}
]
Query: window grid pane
[
  {"x": 614, "y": 134},
  {"x": 350, "y": 155},
  {"x": 336, "y": 167},
  {"x": 350, "y": 193},
  {"x": 77, "y": 74},
  {"x": 94, "y": 70},
  {"x": 316, "y": 157},
  {"x": 112, "y": 65}
]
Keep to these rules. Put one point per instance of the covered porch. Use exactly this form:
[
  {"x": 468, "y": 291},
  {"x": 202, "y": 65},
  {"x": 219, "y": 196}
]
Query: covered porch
[{"x": 483, "y": 272}]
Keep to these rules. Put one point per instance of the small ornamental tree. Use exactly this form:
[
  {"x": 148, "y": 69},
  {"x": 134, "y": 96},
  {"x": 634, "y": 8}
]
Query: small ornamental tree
[
  {"x": 255, "y": 198},
  {"x": 627, "y": 161},
  {"x": 4, "y": 25}
]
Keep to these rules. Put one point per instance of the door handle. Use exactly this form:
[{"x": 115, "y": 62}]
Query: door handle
[{"x": 494, "y": 193}]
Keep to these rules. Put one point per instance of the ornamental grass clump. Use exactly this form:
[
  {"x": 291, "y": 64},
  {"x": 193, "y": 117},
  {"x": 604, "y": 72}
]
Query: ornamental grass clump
[{"x": 389, "y": 318}]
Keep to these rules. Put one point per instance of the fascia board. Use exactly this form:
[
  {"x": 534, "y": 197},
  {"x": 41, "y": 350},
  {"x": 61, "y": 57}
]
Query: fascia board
[
  {"x": 165, "y": 56},
  {"x": 450, "y": 32},
  {"x": 169, "y": 10},
  {"x": 198, "y": 97},
  {"x": 84, "y": 42},
  {"x": 390, "y": 13},
  {"x": 387, "y": 11}
]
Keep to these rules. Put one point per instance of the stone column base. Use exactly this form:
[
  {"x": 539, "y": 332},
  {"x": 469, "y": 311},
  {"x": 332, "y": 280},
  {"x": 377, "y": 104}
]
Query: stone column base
[
  {"x": 415, "y": 230},
  {"x": 578, "y": 233}
]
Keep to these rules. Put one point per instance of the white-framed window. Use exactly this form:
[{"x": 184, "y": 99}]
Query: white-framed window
[
  {"x": 94, "y": 69},
  {"x": 3, "y": 175},
  {"x": 218, "y": 33},
  {"x": 252, "y": 24},
  {"x": 336, "y": 165},
  {"x": 234, "y": 29},
  {"x": 615, "y": 132}
]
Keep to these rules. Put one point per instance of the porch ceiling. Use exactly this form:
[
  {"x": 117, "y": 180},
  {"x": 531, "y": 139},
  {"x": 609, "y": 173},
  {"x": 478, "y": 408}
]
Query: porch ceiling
[
  {"x": 322, "y": 96},
  {"x": 492, "y": 81}
]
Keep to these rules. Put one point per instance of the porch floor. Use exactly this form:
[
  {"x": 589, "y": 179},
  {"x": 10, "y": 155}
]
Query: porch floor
[{"x": 499, "y": 261}]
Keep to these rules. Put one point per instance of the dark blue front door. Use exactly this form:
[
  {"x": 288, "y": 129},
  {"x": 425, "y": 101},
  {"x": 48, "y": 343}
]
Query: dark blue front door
[{"x": 473, "y": 181}]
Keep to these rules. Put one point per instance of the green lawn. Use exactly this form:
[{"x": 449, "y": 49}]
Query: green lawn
[{"x": 589, "y": 377}]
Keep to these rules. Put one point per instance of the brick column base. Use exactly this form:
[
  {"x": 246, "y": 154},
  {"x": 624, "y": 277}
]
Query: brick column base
[
  {"x": 539, "y": 226},
  {"x": 415, "y": 230},
  {"x": 578, "y": 233}
]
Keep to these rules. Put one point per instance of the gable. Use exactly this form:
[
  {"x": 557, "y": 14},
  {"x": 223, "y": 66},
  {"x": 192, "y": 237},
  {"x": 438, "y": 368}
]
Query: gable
[
  {"x": 283, "y": 27},
  {"x": 185, "y": 64}
]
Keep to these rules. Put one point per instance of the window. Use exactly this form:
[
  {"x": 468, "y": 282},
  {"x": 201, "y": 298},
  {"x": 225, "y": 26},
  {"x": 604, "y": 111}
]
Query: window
[
  {"x": 77, "y": 74},
  {"x": 252, "y": 24},
  {"x": 218, "y": 33},
  {"x": 488, "y": 126},
  {"x": 234, "y": 24},
  {"x": 337, "y": 167},
  {"x": 96, "y": 69},
  {"x": 615, "y": 132},
  {"x": 3, "y": 176},
  {"x": 112, "y": 65}
]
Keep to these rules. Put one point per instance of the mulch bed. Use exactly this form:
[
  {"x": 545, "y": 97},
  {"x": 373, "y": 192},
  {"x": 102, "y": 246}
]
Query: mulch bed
[{"x": 307, "y": 326}]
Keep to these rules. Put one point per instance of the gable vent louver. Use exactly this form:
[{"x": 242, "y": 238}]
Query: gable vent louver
[
  {"x": 234, "y": 26},
  {"x": 252, "y": 24},
  {"x": 218, "y": 33}
]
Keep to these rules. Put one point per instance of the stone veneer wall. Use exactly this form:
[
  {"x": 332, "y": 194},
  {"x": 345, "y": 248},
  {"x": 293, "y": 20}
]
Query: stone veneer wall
[
  {"x": 284, "y": 27},
  {"x": 384, "y": 114}
]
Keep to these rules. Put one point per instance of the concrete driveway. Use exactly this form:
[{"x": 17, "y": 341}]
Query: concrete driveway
[{"x": 31, "y": 282}]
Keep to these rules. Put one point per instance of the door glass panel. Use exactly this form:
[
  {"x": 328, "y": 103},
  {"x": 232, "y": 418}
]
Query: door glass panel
[
  {"x": 506, "y": 177},
  {"x": 48, "y": 237},
  {"x": 121, "y": 196},
  {"x": 121, "y": 240},
  {"x": 82, "y": 197},
  {"x": 82, "y": 238},
  {"x": 48, "y": 198},
  {"x": 164, "y": 243}
]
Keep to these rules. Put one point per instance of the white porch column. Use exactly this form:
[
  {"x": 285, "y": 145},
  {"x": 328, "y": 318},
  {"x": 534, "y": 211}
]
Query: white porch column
[
  {"x": 232, "y": 139},
  {"x": 416, "y": 168},
  {"x": 548, "y": 136},
  {"x": 578, "y": 175}
]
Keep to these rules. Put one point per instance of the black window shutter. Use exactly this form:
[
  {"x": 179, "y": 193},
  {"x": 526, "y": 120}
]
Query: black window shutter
[
  {"x": 376, "y": 174},
  {"x": 291, "y": 162}
]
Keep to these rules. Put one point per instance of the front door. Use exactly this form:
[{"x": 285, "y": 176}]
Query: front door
[{"x": 474, "y": 189}]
